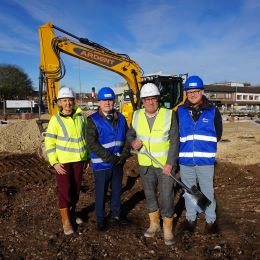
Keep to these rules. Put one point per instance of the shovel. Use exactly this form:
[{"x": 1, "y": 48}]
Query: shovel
[{"x": 199, "y": 200}]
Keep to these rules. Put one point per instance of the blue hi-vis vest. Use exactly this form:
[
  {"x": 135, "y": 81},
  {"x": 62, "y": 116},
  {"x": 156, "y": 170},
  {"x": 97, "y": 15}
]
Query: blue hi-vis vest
[
  {"x": 198, "y": 141},
  {"x": 111, "y": 138}
]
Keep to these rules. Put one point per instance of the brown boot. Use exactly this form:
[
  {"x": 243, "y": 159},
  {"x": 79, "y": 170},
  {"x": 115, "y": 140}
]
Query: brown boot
[
  {"x": 154, "y": 224},
  {"x": 67, "y": 228},
  {"x": 188, "y": 225},
  {"x": 211, "y": 228},
  {"x": 167, "y": 231}
]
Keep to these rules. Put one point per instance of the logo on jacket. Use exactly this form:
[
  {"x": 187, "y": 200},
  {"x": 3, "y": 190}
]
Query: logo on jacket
[{"x": 205, "y": 120}]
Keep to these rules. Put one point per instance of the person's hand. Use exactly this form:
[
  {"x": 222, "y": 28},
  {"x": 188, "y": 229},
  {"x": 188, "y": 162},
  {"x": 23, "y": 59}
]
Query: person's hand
[
  {"x": 136, "y": 144},
  {"x": 87, "y": 165},
  {"x": 59, "y": 168},
  {"x": 121, "y": 161},
  {"x": 167, "y": 169}
]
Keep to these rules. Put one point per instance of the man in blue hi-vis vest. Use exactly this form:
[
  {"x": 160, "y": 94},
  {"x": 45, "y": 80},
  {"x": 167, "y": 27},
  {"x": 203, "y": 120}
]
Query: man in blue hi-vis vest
[
  {"x": 200, "y": 126},
  {"x": 106, "y": 135}
]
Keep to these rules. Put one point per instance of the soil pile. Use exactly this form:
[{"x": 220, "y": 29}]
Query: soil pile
[
  {"x": 240, "y": 143},
  {"x": 21, "y": 136}
]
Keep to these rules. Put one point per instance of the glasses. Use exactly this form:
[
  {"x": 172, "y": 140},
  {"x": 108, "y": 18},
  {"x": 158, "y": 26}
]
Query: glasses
[
  {"x": 152, "y": 99},
  {"x": 195, "y": 92}
]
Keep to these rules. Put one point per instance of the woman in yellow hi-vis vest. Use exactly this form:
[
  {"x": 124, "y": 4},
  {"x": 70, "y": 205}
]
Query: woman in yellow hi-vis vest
[
  {"x": 156, "y": 129},
  {"x": 67, "y": 152}
]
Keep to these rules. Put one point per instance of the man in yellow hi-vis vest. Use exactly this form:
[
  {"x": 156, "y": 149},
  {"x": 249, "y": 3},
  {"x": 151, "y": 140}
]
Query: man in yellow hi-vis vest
[
  {"x": 157, "y": 129},
  {"x": 67, "y": 152}
]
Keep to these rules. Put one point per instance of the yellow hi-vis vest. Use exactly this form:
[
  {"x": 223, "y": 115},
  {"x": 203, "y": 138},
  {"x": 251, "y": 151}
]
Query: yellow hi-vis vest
[
  {"x": 65, "y": 138},
  {"x": 157, "y": 140}
]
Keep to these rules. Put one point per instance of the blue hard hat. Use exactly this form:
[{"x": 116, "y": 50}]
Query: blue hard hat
[
  {"x": 106, "y": 94},
  {"x": 193, "y": 82}
]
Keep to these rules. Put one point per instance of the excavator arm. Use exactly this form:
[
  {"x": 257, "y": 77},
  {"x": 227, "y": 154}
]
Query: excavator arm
[{"x": 52, "y": 68}]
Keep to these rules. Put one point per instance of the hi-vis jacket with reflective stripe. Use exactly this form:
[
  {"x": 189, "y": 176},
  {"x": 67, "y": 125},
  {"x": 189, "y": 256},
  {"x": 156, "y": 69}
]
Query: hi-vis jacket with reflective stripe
[
  {"x": 65, "y": 141},
  {"x": 110, "y": 137},
  {"x": 157, "y": 140},
  {"x": 198, "y": 142}
]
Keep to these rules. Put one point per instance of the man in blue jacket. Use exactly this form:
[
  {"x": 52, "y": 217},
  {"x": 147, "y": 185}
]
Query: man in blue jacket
[
  {"x": 200, "y": 126},
  {"x": 106, "y": 135}
]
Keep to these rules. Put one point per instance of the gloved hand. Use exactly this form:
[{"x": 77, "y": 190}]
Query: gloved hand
[
  {"x": 115, "y": 159},
  {"x": 121, "y": 161}
]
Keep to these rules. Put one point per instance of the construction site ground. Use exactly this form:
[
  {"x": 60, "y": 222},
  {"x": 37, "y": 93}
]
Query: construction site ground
[{"x": 30, "y": 226}]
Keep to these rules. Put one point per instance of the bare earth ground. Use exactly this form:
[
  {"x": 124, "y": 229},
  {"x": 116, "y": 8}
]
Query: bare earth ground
[{"x": 30, "y": 224}]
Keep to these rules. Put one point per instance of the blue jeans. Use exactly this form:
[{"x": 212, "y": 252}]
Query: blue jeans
[
  {"x": 203, "y": 174},
  {"x": 102, "y": 180}
]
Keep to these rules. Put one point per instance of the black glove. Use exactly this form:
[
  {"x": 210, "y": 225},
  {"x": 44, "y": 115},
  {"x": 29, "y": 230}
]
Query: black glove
[
  {"x": 115, "y": 159},
  {"x": 121, "y": 161}
]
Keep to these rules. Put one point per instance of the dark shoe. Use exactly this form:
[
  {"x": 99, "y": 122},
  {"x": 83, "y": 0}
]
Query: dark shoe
[
  {"x": 116, "y": 220},
  {"x": 211, "y": 228},
  {"x": 101, "y": 226},
  {"x": 188, "y": 225},
  {"x": 124, "y": 221}
]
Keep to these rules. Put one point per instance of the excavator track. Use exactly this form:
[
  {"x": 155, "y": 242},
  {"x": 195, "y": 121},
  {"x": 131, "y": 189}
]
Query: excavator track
[{"x": 18, "y": 171}]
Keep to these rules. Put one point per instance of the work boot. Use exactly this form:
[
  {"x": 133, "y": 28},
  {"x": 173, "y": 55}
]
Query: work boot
[
  {"x": 101, "y": 226},
  {"x": 167, "y": 231},
  {"x": 116, "y": 221},
  {"x": 67, "y": 228},
  {"x": 211, "y": 228},
  {"x": 154, "y": 224},
  {"x": 73, "y": 216},
  {"x": 188, "y": 225}
]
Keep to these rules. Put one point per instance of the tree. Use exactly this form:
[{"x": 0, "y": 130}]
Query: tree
[{"x": 14, "y": 83}]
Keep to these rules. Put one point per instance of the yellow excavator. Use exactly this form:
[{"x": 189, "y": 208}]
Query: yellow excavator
[{"x": 52, "y": 69}]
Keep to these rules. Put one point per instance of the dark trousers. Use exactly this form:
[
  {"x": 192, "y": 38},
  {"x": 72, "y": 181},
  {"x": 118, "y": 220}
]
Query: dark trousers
[
  {"x": 68, "y": 185},
  {"x": 103, "y": 178}
]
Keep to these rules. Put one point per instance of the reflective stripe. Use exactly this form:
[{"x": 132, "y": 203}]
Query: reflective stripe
[
  {"x": 72, "y": 140},
  {"x": 62, "y": 138},
  {"x": 167, "y": 124},
  {"x": 198, "y": 137},
  {"x": 65, "y": 132},
  {"x": 136, "y": 119},
  {"x": 159, "y": 154},
  {"x": 197, "y": 154},
  {"x": 50, "y": 135},
  {"x": 153, "y": 140},
  {"x": 52, "y": 150},
  {"x": 71, "y": 150},
  {"x": 112, "y": 144},
  {"x": 99, "y": 160}
]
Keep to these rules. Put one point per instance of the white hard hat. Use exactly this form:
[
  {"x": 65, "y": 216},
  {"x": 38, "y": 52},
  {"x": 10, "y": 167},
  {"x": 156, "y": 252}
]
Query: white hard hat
[
  {"x": 149, "y": 90},
  {"x": 65, "y": 93}
]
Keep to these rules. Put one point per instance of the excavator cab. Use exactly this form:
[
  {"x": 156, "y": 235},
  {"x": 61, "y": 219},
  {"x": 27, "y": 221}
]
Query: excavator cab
[{"x": 170, "y": 87}]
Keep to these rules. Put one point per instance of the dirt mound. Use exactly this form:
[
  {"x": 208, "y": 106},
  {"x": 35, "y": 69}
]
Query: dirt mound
[
  {"x": 240, "y": 143},
  {"x": 21, "y": 136}
]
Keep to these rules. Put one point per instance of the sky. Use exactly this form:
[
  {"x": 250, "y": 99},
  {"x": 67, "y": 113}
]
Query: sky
[{"x": 218, "y": 40}]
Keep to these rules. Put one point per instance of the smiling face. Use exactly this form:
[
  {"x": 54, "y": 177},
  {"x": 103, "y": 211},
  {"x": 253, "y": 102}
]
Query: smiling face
[
  {"x": 194, "y": 95},
  {"x": 150, "y": 104},
  {"x": 106, "y": 106},
  {"x": 66, "y": 105}
]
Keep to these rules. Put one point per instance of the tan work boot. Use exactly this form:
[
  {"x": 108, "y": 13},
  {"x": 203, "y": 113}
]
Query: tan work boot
[
  {"x": 167, "y": 231},
  {"x": 67, "y": 228},
  {"x": 154, "y": 224}
]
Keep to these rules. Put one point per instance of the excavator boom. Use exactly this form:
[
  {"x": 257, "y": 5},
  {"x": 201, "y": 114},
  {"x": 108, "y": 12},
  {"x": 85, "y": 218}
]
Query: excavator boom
[{"x": 52, "y": 68}]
